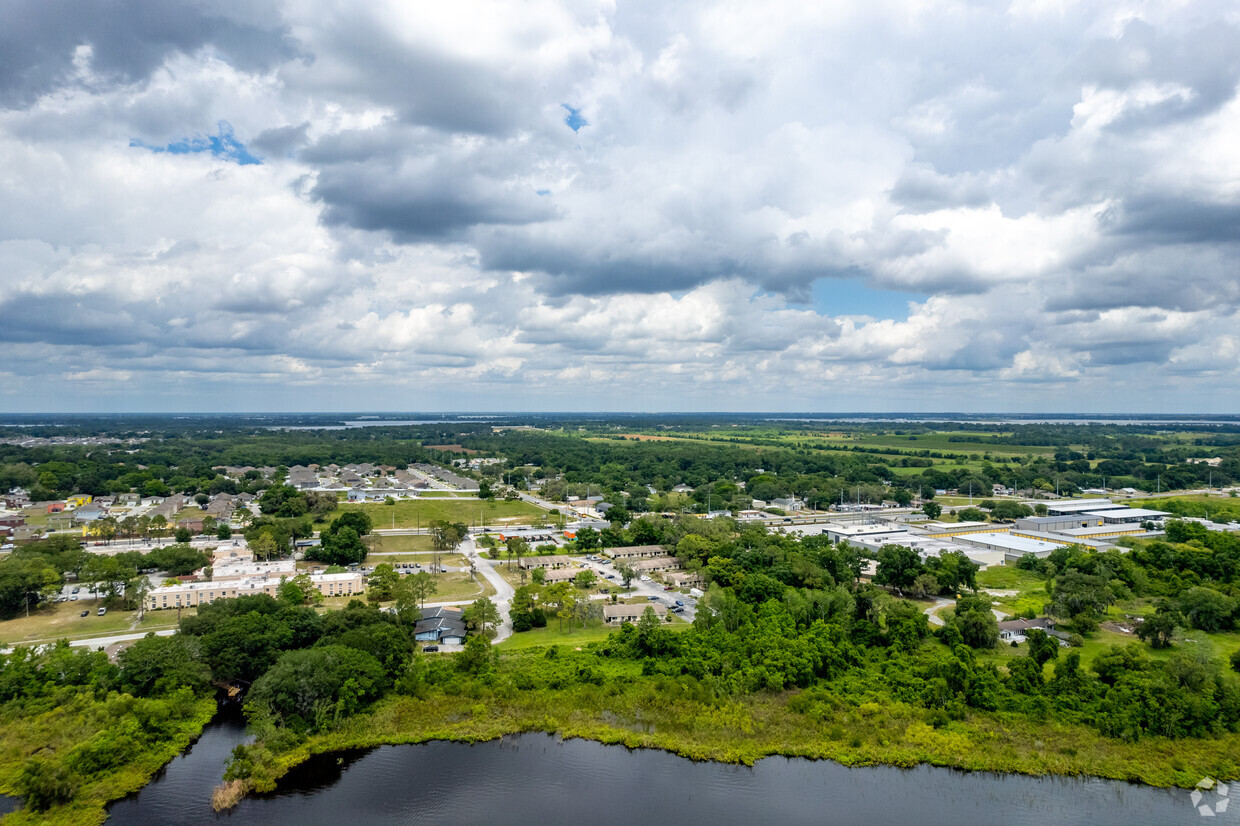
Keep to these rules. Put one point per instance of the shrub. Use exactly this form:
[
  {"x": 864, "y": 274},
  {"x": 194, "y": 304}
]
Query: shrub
[{"x": 44, "y": 783}]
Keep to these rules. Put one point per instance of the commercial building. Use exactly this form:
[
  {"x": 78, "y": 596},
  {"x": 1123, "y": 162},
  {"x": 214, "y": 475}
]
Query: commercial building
[{"x": 1058, "y": 523}]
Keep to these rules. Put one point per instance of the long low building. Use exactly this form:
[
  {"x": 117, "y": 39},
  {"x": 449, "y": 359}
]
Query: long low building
[
  {"x": 552, "y": 561},
  {"x": 655, "y": 564},
  {"x": 1063, "y": 522},
  {"x": 1127, "y": 515},
  {"x": 1009, "y": 544},
  {"x": 193, "y": 594},
  {"x": 635, "y": 552},
  {"x": 616, "y": 614}
]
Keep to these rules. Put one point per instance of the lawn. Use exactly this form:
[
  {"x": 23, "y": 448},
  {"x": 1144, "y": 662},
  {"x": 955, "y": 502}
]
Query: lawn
[
  {"x": 418, "y": 513},
  {"x": 387, "y": 543},
  {"x": 64, "y": 619},
  {"x": 1008, "y": 577}
]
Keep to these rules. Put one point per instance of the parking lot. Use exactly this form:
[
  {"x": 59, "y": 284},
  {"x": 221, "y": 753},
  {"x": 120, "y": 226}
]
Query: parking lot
[{"x": 682, "y": 605}]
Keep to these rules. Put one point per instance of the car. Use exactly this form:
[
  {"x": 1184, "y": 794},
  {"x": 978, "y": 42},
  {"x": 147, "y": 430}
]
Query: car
[
  {"x": 611, "y": 576},
  {"x": 667, "y": 588},
  {"x": 102, "y": 611},
  {"x": 84, "y": 613},
  {"x": 73, "y": 598},
  {"x": 681, "y": 604},
  {"x": 678, "y": 610},
  {"x": 653, "y": 599},
  {"x": 75, "y": 590},
  {"x": 430, "y": 648}
]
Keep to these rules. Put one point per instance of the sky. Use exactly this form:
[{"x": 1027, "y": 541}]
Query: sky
[{"x": 647, "y": 206}]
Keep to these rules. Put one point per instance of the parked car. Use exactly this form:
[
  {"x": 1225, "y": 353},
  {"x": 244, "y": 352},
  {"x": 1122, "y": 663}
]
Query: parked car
[
  {"x": 678, "y": 602},
  {"x": 667, "y": 588},
  {"x": 430, "y": 648},
  {"x": 653, "y": 599},
  {"x": 102, "y": 611},
  {"x": 84, "y": 613}
]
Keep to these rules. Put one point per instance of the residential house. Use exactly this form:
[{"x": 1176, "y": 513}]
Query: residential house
[
  {"x": 1015, "y": 630},
  {"x": 444, "y": 624}
]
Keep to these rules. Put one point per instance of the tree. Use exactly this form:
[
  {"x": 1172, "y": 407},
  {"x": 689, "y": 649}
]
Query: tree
[
  {"x": 587, "y": 539},
  {"x": 160, "y": 665},
  {"x": 341, "y": 547},
  {"x": 316, "y": 687},
  {"x": 1206, "y": 609},
  {"x": 382, "y": 582},
  {"x": 898, "y": 566},
  {"x": 283, "y": 500},
  {"x": 1042, "y": 646},
  {"x": 585, "y": 579},
  {"x": 932, "y": 509},
  {"x": 516, "y": 546},
  {"x": 223, "y": 531},
  {"x": 481, "y": 615},
  {"x": 976, "y": 622},
  {"x": 539, "y": 576},
  {"x": 422, "y": 585},
  {"x": 1082, "y": 598},
  {"x": 925, "y": 585},
  {"x": 1159, "y": 627},
  {"x": 298, "y": 590},
  {"x": 263, "y": 546},
  {"x": 477, "y": 656},
  {"x": 484, "y": 490},
  {"x": 1008, "y": 510},
  {"x": 182, "y": 535},
  {"x": 971, "y": 515},
  {"x": 626, "y": 572}
]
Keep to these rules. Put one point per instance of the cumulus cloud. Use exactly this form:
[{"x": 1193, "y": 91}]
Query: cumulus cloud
[{"x": 618, "y": 205}]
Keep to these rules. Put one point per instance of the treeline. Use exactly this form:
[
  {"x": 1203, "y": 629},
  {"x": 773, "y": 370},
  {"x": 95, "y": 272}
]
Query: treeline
[{"x": 35, "y": 573}]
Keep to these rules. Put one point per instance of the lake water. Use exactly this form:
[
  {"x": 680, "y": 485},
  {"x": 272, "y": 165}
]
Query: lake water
[{"x": 539, "y": 779}]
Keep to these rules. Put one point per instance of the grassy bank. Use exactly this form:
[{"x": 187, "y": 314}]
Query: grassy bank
[{"x": 651, "y": 712}]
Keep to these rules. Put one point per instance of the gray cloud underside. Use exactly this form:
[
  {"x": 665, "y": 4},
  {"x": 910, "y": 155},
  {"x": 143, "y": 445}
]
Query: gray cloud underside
[{"x": 1057, "y": 189}]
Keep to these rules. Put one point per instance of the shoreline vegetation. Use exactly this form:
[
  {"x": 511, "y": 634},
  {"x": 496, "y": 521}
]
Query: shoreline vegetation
[
  {"x": 757, "y": 727},
  {"x": 73, "y": 725}
]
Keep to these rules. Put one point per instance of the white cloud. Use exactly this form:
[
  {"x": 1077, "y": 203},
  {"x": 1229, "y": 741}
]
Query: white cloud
[{"x": 426, "y": 230}]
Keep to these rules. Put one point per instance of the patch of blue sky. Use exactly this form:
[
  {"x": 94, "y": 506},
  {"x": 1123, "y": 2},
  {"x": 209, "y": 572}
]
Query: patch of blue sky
[
  {"x": 574, "y": 120},
  {"x": 223, "y": 144},
  {"x": 849, "y": 296},
  {"x": 543, "y": 191}
]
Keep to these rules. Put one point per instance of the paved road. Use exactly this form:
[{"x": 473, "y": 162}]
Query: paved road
[{"x": 503, "y": 591}]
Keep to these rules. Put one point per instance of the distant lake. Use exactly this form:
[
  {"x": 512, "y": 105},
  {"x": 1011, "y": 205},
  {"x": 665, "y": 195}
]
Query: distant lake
[
  {"x": 539, "y": 779},
  {"x": 349, "y": 425}
]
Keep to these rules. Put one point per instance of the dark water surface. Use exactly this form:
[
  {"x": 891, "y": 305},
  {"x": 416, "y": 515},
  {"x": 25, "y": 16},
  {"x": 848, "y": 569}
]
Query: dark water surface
[{"x": 536, "y": 778}]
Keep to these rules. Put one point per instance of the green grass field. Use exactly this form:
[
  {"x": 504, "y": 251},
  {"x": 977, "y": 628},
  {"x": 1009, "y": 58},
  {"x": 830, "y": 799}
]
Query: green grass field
[
  {"x": 384, "y": 543},
  {"x": 418, "y": 513}
]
